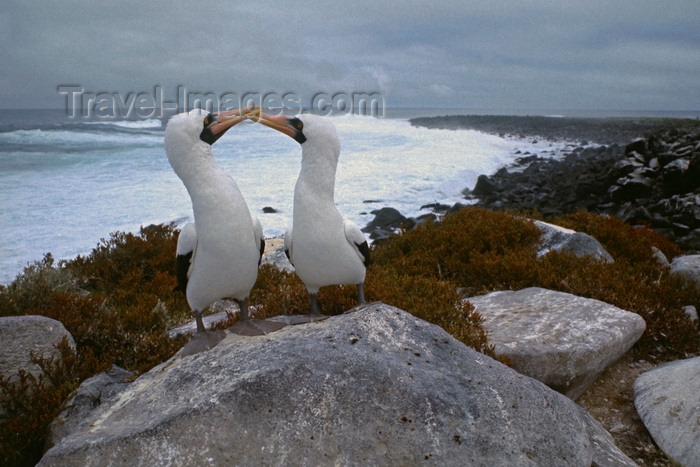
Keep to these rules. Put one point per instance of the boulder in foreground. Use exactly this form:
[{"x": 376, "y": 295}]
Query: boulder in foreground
[
  {"x": 561, "y": 339},
  {"x": 24, "y": 336},
  {"x": 374, "y": 387},
  {"x": 668, "y": 402}
]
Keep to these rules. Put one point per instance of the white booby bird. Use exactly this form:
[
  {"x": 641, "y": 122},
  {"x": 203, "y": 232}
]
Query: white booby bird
[
  {"x": 218, "y": 255},
  {"x": 324, "y": 248}
]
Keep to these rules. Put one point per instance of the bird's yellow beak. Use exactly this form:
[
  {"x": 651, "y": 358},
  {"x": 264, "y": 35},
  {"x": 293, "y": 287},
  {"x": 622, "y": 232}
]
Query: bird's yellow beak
[
  {"x": 225, "y": 120},
  {"x": 290, "y": 126}
]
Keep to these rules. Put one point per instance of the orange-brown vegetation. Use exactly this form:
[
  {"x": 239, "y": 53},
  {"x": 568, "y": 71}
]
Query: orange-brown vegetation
[{"x": 118, "y": 302}]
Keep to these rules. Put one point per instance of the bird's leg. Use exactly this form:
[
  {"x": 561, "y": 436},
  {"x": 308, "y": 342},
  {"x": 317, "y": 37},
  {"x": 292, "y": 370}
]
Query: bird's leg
[
  {"x": 243, "y": 312},
  {"x": 360, "y": 293},
  {"x": 202, "y": 341},
  {"x": 314, "y": 304},
  {"x": 198, "y": 318}
]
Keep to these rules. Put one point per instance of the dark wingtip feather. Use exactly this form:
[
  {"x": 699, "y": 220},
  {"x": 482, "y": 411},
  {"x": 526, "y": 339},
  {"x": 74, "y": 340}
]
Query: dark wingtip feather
[
  {"x": 182, "y": 266},
  {"x": 364, "y": 250}
]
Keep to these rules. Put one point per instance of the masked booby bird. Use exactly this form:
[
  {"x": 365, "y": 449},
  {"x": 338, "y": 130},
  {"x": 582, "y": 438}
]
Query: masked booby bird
[
  {"x": 217, "y": 255},
  {"x": 324, "y": 248}
]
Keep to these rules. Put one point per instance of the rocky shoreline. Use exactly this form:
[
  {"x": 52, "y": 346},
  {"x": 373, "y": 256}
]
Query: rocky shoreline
[
  {"x": 641, "y": 170},
  {"x": 605, "y": 131}
]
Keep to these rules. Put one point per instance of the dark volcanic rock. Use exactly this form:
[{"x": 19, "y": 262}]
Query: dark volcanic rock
[
  {"x": 386, "y": 221},
  {"x": 484, "y": 186},
  {"x": 638, "y": 145},
  {"x": 675, "y": 179},
  {"x": 579, "y": 181},
  {"x": 653, "y": 180},
  {"x": 436, "y": 207},
  {"x": 598, "y": 130},
  {"x": 631, "y": 187}
]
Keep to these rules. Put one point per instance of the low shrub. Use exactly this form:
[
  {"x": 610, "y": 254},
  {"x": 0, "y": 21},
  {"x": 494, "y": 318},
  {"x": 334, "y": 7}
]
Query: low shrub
[
  {"x": 484, "y": 251},
  {"x": 480, "y": 250},
  {"x": 623, "y": 241},
  {"x": 118, "y": 302},
  {"x": 436, "y": 301},
  {"x": 30, "y": 403}
]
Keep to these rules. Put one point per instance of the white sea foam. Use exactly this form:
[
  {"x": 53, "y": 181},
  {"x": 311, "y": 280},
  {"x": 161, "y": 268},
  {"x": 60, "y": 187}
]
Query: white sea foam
[
  {"x": 72, "y": 138},
  {"x": 148, "y": 124},
  {"x": 70, "y": 188}
]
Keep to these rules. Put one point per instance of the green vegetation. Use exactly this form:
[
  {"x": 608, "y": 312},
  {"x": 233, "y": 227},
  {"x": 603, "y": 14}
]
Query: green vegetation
[{"x": 118, "y": 302}]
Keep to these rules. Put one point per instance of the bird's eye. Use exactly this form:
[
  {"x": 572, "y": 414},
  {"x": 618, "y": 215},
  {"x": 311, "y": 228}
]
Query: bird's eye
[
  {"x": 207, "y": 120},
  {"x": 300, "y": 125}
]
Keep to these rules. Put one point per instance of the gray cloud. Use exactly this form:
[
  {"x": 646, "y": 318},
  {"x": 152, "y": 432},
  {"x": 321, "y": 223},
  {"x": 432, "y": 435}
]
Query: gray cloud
[{"x": 636, "y": 55}]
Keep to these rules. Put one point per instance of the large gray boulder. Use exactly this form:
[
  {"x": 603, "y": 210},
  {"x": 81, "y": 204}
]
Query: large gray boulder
[
  {"x": 668, "y": 402},
  {"x": 99, "y": 389},
  {"x": 557, "y": 238},
  {"x": 563, "y": 340},
  {"x": 687, "y": 266},
  {"x": 24, "y": 336},
  {"x": 373, "y": 387},
  {"x": 274, "y": 254}
]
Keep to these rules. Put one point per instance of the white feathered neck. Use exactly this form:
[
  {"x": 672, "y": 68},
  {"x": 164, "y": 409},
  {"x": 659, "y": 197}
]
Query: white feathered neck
[
  {"x": 319, "y": 157},
  {"x": 187, "y": 153}
]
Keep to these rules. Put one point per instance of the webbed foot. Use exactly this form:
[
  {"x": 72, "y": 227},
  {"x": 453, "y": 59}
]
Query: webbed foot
[
  {"x": 255, "y": 327},
  {"x": 202, "y": 341}
]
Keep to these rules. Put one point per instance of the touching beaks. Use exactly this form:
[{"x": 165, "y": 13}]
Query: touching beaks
[
  {"x": 216, "y": 124},
  {"x": 223, "y": 121},
  {"x": 290, "y": 126}
]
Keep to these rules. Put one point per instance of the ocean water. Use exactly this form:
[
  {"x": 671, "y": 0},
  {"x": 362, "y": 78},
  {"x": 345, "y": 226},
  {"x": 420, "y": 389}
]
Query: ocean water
[{"x": 65, "y": 184}]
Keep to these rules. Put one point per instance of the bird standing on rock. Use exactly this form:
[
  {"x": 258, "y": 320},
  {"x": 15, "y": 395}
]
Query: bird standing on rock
[
  {"x": 218, "y": 255},
  {"x": 324, "y": 248}
]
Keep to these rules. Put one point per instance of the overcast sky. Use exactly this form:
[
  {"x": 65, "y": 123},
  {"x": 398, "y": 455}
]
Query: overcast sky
[{"x": 495, "y": 54}]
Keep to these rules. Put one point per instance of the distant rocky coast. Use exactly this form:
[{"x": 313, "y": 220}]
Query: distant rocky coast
[{"x": 642, "y": 170}]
